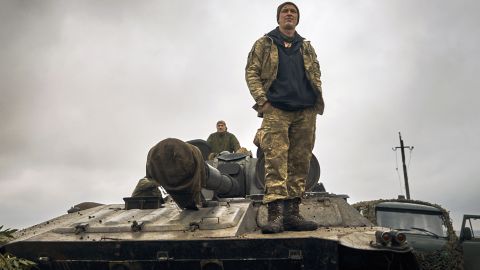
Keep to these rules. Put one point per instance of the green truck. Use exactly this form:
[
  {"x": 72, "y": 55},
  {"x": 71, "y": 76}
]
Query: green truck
[{"x": 429, "y": 231}]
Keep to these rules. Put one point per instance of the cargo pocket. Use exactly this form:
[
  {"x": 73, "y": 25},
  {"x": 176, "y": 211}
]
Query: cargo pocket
[{"x": 258, "y": 138}]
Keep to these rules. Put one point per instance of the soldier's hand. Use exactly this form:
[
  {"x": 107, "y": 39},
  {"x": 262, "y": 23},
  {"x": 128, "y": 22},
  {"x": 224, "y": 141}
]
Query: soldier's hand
[{"x": 265, "y": 107}]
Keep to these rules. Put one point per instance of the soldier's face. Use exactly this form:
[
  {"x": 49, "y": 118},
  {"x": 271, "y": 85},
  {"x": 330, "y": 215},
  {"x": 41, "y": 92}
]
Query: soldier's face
[
  {"x": 288, "y": 17},
  {"x": 221, "y": 127}
]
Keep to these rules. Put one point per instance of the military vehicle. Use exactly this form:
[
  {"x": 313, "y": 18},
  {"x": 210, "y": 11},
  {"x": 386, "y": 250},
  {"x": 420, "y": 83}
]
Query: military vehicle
[
  {"x": 210, "y": 220},
  {"x": 429, "y": 230}
]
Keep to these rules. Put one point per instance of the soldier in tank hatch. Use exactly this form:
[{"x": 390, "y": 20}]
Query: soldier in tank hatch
[
  {"x": 283, "y": 76},
  {"x": 222, "y": 140}
]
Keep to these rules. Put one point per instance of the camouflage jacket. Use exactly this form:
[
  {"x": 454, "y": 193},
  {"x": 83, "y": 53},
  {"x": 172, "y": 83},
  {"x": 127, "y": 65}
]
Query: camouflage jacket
[{"x": 262, "y": 67}]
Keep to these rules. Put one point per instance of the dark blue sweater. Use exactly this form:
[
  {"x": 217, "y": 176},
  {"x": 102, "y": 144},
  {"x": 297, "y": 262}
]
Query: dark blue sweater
[{"x": 291, "y": 90}]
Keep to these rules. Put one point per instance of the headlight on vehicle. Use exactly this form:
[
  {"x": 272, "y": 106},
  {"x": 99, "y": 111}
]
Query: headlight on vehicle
[
  {"x": 383, "y": 238},
  {"x": 398, "y": 238},
  {"x": 390, "y": 238}
]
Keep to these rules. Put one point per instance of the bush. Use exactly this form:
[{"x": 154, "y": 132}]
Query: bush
[{"x": 9, "y": 261}]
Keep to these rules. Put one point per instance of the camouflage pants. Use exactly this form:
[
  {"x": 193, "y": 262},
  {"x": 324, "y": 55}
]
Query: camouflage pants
[{"x": 287, "y": 139}]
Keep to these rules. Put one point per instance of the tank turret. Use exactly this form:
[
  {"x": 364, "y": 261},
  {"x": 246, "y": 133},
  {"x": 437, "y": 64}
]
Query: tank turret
[{"x": 180, "y": 168}]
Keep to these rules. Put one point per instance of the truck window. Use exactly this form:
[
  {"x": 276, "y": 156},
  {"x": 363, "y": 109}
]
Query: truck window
[
  {"x": 470, "y": 239},
  {"x": 404, "y": 219},
  {"x": 474, "y": 227}
]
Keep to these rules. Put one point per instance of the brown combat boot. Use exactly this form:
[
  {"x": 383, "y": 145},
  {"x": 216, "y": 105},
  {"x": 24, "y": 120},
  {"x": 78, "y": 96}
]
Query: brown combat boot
[
  {"x": 293, "y": 221},
  {"x": 275, "y": 218}
]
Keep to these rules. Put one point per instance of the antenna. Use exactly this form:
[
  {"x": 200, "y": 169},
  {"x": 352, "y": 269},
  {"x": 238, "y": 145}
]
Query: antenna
[{"x": 405, "y": 176}]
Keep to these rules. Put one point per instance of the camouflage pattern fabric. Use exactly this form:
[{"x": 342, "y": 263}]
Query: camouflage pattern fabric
[
  {"x": 287, "y": 139},
  {"x": 83, "y": 206},
  {"x": 262, "y": 68},
  {"x": 243, "y": 150},
  {"x": 223, "y": 141},
  {"x": 449, "y": 257},
  {"x": 146, "y": 187}
]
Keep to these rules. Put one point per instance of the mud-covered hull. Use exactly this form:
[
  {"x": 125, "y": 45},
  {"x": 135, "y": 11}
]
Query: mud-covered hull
[{"x": 224, "y": 235}]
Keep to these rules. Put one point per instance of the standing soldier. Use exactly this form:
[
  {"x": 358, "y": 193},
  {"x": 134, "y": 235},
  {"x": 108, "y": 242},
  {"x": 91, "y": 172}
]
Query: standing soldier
[{"x": 283, "y": 76}]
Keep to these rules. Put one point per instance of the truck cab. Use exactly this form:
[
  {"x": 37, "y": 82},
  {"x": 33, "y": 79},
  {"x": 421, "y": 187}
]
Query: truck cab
[
  {"x": 423, "y": 224},
  {"x": 428, "y": 228}
]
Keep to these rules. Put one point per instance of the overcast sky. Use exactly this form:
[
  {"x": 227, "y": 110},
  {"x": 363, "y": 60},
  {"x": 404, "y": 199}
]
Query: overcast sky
[{"x": 87, "y": 87}]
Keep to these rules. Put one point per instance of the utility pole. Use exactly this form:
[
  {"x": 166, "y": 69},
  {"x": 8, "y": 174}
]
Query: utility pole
[{"x": 405, "y": 176}]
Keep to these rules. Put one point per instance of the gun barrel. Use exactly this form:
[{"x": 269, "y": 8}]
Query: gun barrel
[
  {"x": 220, "y": 183},
  {"x": 181, "y": 170}
]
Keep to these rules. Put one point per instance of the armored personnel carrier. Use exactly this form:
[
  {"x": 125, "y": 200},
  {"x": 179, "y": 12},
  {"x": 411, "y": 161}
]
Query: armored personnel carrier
[{"x": 210, "y": 220}]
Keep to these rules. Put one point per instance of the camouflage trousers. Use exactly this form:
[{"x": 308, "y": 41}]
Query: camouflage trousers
[{"x": 286, "y": 139}]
